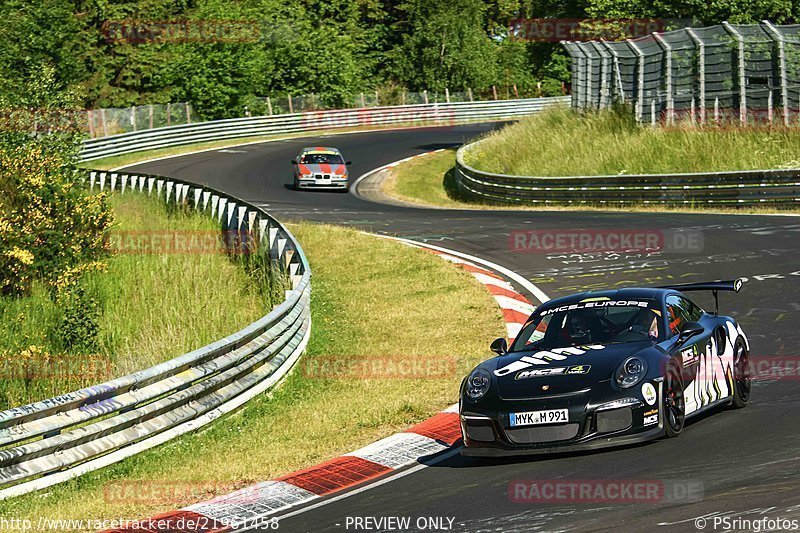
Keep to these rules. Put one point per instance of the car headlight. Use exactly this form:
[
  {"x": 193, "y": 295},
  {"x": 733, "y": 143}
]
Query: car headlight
[
  {"x": 630, "y": 372},
  {"x": 478, "y": 384}
]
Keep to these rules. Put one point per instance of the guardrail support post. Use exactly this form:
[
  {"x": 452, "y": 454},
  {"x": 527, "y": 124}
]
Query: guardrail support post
[
  {"x": 780, "y": 42},
  {"x": 605, "y": 74},
  {"x": 701, "y": 71},
  {"x": 103, "y": 121},
  {"x": 741, "y": 69},
  {"x": 639, "y": 79},
  {"x": 668, "y": 60},
  {"x": 587, "y": 86},
  {"x": 616, "y": 74}
]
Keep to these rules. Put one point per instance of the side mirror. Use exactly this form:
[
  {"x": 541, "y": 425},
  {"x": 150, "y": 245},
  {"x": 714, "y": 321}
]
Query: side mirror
[
  {"x": 348, "y": 162},
  {"x": 689, "y": 330},
  {"x": 499, "y": 346},
  {"x": 294, "y": 162}
]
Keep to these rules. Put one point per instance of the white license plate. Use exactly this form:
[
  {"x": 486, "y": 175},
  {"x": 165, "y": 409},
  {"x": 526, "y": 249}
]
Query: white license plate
[
  {"x": 532, "y": 418},
  {"x": 324, "y": 182}
]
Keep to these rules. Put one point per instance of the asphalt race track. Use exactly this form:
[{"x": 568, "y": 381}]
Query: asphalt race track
[{"x": 746, "y": 462}]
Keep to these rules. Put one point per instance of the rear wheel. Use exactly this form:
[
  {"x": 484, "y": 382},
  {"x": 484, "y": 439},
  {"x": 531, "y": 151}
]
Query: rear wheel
[
  {"x": 673, "y": 405},
  {"x": 741, "y": 375}
]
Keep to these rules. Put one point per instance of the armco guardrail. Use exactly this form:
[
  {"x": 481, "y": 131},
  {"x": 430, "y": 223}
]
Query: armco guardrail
[
  {"x": 777, "y": 188},
  {"x": 418, "y": 115},
  {"x": 51, "y": 441}
]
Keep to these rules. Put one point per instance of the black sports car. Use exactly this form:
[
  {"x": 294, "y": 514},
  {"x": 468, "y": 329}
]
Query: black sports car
[{"x": 603, "y": 369}]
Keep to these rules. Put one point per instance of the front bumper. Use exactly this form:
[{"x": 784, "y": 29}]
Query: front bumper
[
  {"x": 322, "y": 183},
  {"x": 592, "y": 424}
]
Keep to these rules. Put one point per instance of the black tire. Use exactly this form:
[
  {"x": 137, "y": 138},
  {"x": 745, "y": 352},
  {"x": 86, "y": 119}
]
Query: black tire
[
  {"x": 742, "y": 380},
  {"x": 296, "y": 184},
  {"x": 672, "y": 403}
]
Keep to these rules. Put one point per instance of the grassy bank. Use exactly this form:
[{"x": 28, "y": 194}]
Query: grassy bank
[
  {"x": 361, "y": 308},
  {"x": 427, "y": 180},
  {"x": 559, "y": 142},
  {"x": 143, "y": 308}
]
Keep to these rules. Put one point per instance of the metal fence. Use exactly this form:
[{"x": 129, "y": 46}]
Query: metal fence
[
  {"x": 720, "y": 74},
  {"x": 113, "y": 121},
  {"x": 57, "y": 439},
  {"x": 442, "y": 114},
  {"x": 773, "y": 188},
  {"x": 289, "y": 103}
]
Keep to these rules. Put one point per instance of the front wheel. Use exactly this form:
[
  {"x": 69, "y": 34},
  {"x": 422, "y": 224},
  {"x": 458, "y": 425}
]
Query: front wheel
[
  {"x": 673, "y": 405},
  {"x": 742, "y": 379}
]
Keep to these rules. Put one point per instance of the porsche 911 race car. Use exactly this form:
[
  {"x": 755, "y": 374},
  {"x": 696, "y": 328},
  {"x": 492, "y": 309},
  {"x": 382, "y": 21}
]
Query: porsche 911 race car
[
  {"x": 605, "y": 368},
  {"x": 320, "y": 168}
]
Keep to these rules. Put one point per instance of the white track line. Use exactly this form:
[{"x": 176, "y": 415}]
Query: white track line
[{"x": 523, "y": 282}]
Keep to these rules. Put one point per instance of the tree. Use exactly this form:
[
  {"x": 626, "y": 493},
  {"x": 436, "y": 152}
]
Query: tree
[{"x": 445, "y": 45}]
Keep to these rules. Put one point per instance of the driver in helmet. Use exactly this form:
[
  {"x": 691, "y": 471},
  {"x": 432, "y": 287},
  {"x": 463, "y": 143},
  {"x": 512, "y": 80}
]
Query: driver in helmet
[
  {"x": 646, "y": 323},
  {"x": 579, "y": 327}
]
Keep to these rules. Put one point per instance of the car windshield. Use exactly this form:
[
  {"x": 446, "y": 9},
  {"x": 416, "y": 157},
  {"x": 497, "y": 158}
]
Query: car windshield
[
  {"x": 322, "y": 159},
  {"x": 600, "y": 322}
]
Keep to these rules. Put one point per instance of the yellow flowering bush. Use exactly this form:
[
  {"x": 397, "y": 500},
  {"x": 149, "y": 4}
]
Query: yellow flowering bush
[{"x": 51, "y": 229}]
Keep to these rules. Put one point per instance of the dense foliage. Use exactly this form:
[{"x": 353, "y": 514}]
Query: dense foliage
[
  {"x": 51, "y": 229},
  {"x": 333, "y": 48}
]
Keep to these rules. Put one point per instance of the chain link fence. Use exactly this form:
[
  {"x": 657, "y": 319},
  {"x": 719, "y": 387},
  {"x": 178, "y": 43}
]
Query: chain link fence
[
  {"x": 287, "y": 103},
  {"x": 724, "y": 74},
  {"x": 113, "y": 121}
]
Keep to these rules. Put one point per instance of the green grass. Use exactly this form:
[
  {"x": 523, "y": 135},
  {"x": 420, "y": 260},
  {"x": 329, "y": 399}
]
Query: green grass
[
  {"x": 427, "y": 179},
  {"x": 407, "y": 304},
  {"x": 559, "y": 142},
  {"x": 152, "y": 307}
]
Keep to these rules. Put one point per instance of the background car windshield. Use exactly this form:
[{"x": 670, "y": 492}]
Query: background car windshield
[
  {"x": 597, "y": 325},
  {"x": 320, "y": 159}
]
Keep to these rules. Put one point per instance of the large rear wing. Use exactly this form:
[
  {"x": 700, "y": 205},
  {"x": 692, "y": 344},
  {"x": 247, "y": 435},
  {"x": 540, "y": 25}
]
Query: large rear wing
[{"x": 733, "y": 285}]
